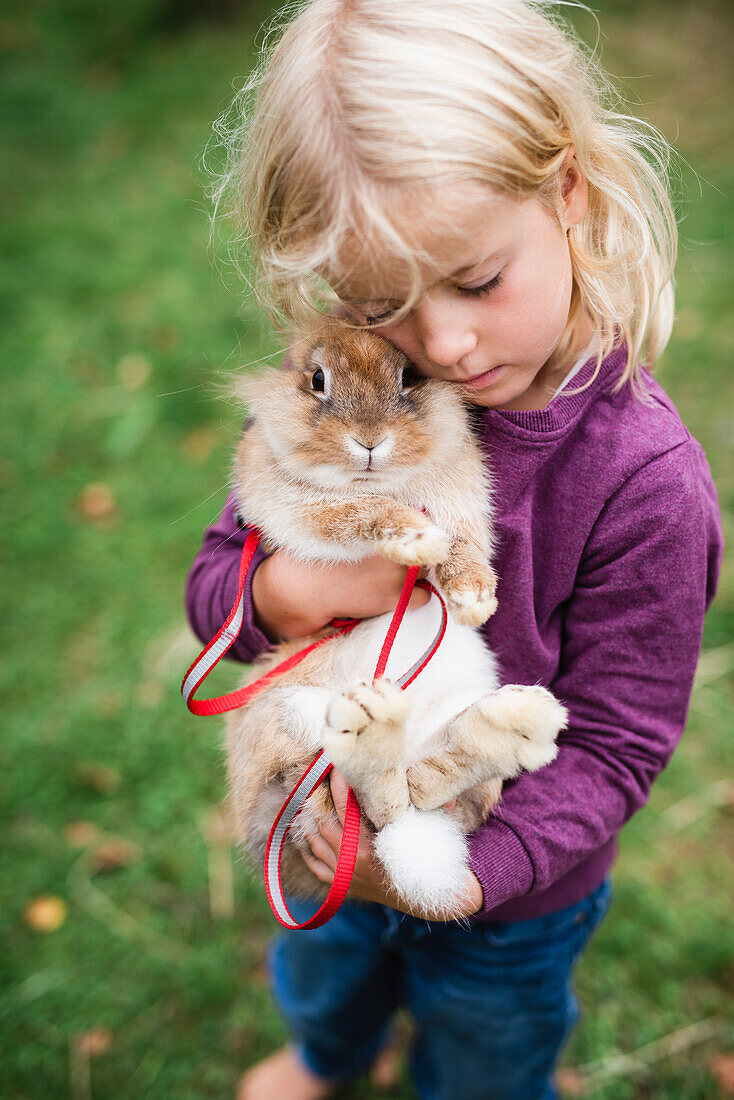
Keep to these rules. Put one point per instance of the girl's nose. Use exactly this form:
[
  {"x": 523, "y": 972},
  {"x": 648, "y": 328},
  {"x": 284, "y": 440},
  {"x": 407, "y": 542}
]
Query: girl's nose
[{"x": 445, "y": 331}]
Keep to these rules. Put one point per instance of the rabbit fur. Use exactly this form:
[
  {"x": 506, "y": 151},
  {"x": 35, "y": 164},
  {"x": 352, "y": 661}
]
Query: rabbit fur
[{"x": 348, "y": 453}]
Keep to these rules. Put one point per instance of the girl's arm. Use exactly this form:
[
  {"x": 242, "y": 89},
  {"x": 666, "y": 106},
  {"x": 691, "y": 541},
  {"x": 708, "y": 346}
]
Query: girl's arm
[
  {"x": 632, "y": 635},
  {"x": 211, "y": 586}
]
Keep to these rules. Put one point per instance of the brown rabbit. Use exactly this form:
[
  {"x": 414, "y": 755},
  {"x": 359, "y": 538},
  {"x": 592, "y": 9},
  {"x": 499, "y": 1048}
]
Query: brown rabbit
[{"x": 348, "y": 453}]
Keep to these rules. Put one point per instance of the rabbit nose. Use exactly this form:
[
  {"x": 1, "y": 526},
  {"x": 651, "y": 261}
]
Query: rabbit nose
[
  {"x": 375, "y": 454},
  {"x": 366, "y": 446}
]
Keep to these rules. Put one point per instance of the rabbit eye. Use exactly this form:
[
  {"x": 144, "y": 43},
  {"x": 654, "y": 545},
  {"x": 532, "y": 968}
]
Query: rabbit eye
[
  {"x": 318, "y": 382},
  {"x": 410, "y": 377}
]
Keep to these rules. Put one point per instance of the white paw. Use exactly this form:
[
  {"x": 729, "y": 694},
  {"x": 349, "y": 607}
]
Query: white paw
[
  {"x": 364, "y": 705},
  {"x": 345, "y": 716},
  {"x": 368, "y": 720},
  {"x": 420, "y": 545},
  {"x": 532, "y": 716},
  {"x": 472, "y": 607}
]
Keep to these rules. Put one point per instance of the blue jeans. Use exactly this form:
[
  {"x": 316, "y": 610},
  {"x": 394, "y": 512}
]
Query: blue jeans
[{"x": 493, "y": 1004}]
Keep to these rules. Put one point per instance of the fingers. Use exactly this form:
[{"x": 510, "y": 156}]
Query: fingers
[
  {"x": 319, "y": 869},
  {"x": 322, "y": 855},
  {"x": 322, "y": 850},
  {"x": 339, "y": 791},
  {"x": 419, "y": 598}
]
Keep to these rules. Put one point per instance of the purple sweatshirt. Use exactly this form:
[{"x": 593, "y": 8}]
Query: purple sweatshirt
[{"x": 609, "y": 548}]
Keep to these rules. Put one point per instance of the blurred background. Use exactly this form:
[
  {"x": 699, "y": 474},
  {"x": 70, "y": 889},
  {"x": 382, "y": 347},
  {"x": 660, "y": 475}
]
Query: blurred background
[{"x": 134, "y": 939}]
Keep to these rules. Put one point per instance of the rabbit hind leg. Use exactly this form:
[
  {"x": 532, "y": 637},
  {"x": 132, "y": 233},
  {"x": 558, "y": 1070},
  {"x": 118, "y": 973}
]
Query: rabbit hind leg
[{"x": 495, "y": 738}]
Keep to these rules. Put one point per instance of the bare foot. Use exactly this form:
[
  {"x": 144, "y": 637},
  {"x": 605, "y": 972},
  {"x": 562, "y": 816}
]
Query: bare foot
[{"x": 283, "y": 1075}]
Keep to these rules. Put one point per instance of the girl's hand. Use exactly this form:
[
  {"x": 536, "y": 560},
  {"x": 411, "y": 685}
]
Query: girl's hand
[
  {"x": 368, "y": 879},
  {"x": 293, "y": 599}
]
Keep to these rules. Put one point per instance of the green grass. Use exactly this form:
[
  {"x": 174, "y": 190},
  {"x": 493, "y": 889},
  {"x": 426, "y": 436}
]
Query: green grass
[{"x": 116, "y": 326}]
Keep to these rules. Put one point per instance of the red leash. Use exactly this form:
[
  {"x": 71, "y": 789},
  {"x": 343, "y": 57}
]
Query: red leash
[
  {"x": 320, "y": 767},
  {"x": 225, "y": 638}
]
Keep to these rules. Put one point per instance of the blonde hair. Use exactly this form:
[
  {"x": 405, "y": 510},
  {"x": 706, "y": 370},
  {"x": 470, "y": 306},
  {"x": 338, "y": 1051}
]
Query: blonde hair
[{"x": 358, "y": 98}]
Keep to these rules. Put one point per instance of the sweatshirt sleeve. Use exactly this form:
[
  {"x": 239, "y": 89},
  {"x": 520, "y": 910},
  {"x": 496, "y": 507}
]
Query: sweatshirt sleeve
[
  {"x": 211, "y": 587},
  {"x": 631, "y": 641}
]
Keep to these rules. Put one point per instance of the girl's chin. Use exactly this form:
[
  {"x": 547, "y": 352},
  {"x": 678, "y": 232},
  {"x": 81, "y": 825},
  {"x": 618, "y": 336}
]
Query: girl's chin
[
  {"x": 496, "y": 394},
  {"x": 505, "y": 399}
]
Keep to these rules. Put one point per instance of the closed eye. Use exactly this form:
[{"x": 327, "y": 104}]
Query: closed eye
[
  {"x": 379, "y": 318},
  {"x": 383, "y": 318},
  {"x": 485, "y": 288}
]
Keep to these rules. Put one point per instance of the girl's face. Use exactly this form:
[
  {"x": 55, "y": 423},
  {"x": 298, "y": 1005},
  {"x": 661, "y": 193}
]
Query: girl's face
[{"x": 496, "y": 297}]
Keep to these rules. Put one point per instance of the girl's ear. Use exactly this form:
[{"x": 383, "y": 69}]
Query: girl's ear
[{"x": 574, "y": 192}]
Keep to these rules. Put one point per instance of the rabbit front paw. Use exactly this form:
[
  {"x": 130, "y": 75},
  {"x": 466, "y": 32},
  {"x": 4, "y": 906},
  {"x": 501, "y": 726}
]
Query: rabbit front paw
[
  {"x": 470, "y": 595},
  {"x": 367, "y": 720},
  {"x": 422, "y": 544},
  {"x": 364, "y": 737}
]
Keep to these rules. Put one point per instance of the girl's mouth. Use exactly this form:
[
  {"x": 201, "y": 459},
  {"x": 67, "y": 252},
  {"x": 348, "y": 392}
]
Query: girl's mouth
[{"x": 481, "y": 380}]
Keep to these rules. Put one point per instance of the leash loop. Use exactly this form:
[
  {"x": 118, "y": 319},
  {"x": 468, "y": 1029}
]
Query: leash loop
[{"x": 320, "y": 766}]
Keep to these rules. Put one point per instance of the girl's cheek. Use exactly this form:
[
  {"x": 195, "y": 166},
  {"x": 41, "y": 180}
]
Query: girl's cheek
[
  {"x": 557, "y": 316},
  {"x": 549, "y": 288}
]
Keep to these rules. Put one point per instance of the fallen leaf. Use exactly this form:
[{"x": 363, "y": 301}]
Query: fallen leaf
[
  {"x": 83, "y": 648},
  {"x": 87, "y": 369},
  {"x": 114, "y": 854},
  {"x": 45, "y": 914},
  {"x": 721, "y": 1068},
  {"x": 240, "y": 1041},
  {"x": 94, "y": 1042},
  {"x": 97, "y": 776},
  {"x": 571, "y": 1082},
  {"x": 81, "y": 834},
  {"x": 15, "y": 36},
  {"x": 101, "y": 76},
  {"x": 107, "y": 704},
  {"x": 165, "y": 337},
  {"x": 133, "y": 370},
  {"x": 96, "y": 502},
  {"x": 260, "y": 975}
]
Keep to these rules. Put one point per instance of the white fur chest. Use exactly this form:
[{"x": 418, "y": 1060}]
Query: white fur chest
[{"x": 460, "y": 672}]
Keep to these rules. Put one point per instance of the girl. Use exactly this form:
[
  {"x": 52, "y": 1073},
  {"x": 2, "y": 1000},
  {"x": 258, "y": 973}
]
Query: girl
[{"x": 454, "y": 175}]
